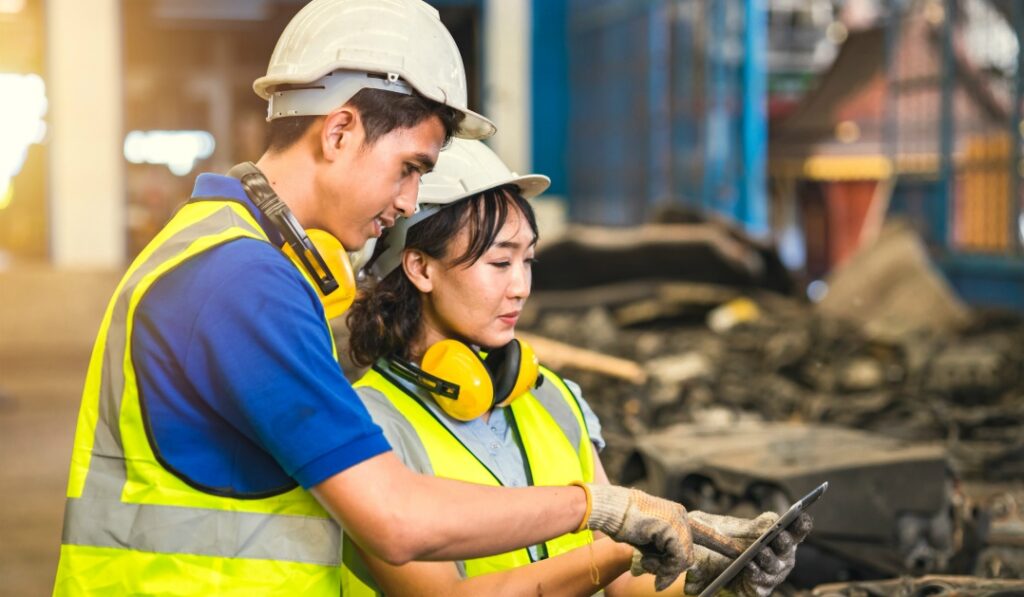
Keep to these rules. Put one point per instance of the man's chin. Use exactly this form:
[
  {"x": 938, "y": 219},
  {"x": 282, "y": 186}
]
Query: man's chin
[
  {"x": 357, "y": 242},
  {"x": 361, "y": 256}
]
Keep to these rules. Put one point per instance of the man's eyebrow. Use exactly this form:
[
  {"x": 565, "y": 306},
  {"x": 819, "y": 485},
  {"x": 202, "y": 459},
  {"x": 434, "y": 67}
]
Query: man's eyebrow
[{"x": 425, "y": 163}]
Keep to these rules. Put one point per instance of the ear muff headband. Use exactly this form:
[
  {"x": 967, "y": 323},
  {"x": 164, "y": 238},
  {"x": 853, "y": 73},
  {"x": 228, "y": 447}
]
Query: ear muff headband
[
  {"x": 466, "y": 386},
  {"x": 306, "y": 250}
]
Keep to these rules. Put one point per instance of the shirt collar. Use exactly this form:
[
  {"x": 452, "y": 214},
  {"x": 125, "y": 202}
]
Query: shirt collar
[{"x": 212, "y": 186}]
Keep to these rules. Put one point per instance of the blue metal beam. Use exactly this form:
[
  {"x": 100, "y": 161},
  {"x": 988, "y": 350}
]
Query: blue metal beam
[
  {"x": 659, "y": 187},
  {"x": 549, "y": 102},
  {"x": 716, "y": 123},
  {"x": 752, "y": 208}
]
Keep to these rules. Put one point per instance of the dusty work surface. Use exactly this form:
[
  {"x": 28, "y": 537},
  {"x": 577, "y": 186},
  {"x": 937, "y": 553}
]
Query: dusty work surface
[{"x": 47, "y": 323}]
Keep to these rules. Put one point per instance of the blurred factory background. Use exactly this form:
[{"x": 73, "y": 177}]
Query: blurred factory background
[
  {"x": 791, "y": 134},
  {"x": 804, "y": 121}
]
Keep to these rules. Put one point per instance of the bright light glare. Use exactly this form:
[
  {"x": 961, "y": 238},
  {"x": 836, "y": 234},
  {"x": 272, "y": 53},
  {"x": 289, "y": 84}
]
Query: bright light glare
[
  {"x": 6, "y": 193},
  {"x": 11, "y": 6},
  {"x": 22, "y": 107},
  {"x": 178, "y": 150}
]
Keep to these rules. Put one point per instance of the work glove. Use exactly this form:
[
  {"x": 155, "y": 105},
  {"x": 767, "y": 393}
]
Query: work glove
[
  {"x": 657, "y": 528},
  {"x": 765, "y": 572}
]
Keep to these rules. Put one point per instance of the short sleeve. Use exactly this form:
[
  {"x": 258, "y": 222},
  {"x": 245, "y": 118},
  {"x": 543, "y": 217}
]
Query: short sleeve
[
  {"x": 259, "y": 355},
  {"x": 589, "y": 417}
]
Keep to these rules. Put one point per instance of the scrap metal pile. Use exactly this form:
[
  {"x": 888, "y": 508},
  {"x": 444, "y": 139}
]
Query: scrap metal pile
[{"x": 675, "y": 330}]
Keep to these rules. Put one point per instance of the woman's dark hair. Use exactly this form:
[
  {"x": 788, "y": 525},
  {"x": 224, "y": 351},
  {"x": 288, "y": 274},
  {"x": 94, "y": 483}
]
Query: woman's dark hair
[
  {"x": 381, "y": 111},
  {"x": 385, "y": 317}
]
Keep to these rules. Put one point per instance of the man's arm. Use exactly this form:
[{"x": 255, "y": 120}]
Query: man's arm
[{"x": 402, "y": 516}]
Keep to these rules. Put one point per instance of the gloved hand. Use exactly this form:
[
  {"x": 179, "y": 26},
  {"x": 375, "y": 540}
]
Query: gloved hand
[
  {"x": 765, "y": 572},
  {"x": 657, "y": 528}
]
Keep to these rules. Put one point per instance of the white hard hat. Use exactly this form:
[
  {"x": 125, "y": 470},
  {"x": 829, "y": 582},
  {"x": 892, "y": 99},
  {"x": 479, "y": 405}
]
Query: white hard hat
[
  {"x": 333, "y": 48},
  {"x": 464, "y": 169}
]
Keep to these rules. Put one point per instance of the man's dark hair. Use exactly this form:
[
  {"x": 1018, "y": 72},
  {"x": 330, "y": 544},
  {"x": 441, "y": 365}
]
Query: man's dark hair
[{"x": 381, "y": 112}]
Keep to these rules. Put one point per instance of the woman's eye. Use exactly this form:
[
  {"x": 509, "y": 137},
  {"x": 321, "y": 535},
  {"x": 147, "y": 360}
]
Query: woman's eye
[{"x": 500, "y": 263}]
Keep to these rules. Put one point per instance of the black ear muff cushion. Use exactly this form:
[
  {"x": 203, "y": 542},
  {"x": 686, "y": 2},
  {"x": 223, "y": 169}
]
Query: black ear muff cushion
[{"x": 503, "y": 365}]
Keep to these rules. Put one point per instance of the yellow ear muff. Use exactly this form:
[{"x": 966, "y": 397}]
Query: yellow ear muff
[
  {"x": 526, "y": 379},
  {"x": 454, "y": 361},
  {"x": 337, "y": 261}
]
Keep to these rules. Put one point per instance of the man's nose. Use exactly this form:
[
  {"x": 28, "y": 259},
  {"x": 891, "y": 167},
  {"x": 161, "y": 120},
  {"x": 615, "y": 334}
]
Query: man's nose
[{"x": 405, "y": 203}]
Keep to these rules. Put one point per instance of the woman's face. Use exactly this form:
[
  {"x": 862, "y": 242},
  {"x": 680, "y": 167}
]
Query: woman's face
[{"x": 480, "y": 303}]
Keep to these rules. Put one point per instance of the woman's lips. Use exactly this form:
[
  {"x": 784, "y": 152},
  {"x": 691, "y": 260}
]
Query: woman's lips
[{"x": 510, "y": 318}]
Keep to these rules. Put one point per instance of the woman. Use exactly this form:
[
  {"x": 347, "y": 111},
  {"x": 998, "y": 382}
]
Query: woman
[{"x": 453, "y": 280}]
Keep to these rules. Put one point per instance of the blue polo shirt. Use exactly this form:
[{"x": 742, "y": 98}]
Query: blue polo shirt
[{"x": 240, "y": 390}]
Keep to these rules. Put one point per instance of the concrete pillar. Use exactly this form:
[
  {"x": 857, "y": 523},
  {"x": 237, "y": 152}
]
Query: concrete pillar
[
  {"x": 85, "y": 178},
  {"x": 506, "y": 71}
]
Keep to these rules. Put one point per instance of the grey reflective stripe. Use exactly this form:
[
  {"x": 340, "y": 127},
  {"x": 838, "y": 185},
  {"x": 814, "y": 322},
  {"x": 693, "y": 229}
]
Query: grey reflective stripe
[
  {"x": 99, "y": 518},
  {"x": 407, "y": 445},
  {"x": 201, "y": 531},
  {"x": 397, "y": 430},
  {"x": 550, "y": 396}
]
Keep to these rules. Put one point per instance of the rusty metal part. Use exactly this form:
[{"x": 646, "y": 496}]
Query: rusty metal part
[{"x": 708, "y": 537}]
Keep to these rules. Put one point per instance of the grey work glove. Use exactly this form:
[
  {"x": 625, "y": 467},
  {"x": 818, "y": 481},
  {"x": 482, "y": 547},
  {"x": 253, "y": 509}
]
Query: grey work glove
[
  {"x": 657, "y": 528},
  {"x": 765, "y": 572}
]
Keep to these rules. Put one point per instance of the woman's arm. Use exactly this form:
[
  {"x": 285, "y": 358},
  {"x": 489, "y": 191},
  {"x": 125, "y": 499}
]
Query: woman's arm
[
  {"x": 401, "y": 515},
  {"x": 568, "y": 574}
]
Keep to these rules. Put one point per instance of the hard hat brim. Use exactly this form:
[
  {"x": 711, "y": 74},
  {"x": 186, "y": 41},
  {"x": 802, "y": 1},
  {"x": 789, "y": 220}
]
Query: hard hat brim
[
  {"x": 531, "y": 185},
  {"x": 474, "y": 126}
]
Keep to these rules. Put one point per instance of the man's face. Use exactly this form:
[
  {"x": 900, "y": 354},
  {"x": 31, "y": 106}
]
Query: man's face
[{"x": 366, "y": 187}]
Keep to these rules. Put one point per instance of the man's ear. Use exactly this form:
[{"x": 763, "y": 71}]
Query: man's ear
[
  {"x": 338, "y": 130},
  {"x": 419, "y": 269}
]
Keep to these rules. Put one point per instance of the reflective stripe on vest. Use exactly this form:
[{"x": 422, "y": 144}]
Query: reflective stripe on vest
[
  {"x": 544, "y": 421},
  {"x": 133, "y": 527}
]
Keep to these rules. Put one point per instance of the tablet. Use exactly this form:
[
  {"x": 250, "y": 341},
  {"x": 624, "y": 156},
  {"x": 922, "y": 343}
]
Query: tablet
[{"x": 767, "y": 537}]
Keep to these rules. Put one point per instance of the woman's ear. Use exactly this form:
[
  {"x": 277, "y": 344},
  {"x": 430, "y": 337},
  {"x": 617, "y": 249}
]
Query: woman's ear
[{"x": 419, "y": 269}]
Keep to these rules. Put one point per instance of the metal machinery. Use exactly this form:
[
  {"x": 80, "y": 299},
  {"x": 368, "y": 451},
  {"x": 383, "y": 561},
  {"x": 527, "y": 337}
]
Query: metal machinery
[{"x": 892, "y": 507}]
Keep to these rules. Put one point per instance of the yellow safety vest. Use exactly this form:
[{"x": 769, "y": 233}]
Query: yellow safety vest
[
  {"x": 131, "y": 527},
  {"x": 550, "y": 457}
]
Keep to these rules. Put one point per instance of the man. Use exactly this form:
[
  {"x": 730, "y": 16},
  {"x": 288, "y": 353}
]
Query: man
[{"x": 217, "y": 437}]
